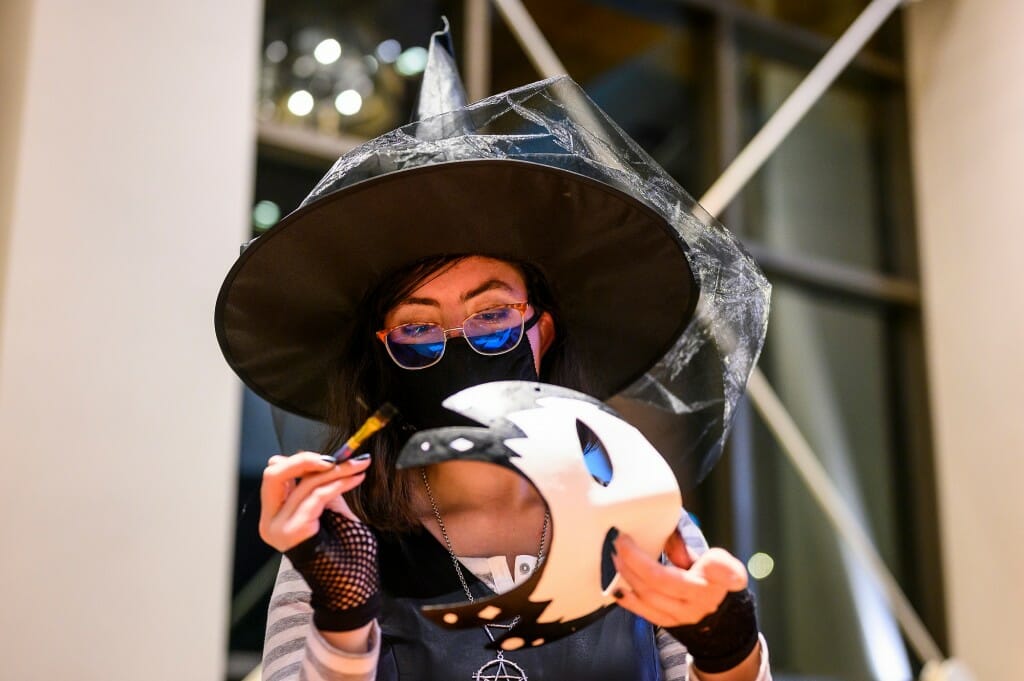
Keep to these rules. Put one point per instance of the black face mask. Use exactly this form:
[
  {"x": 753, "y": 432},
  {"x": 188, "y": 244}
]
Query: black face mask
[{"x": 420, "y": 392}]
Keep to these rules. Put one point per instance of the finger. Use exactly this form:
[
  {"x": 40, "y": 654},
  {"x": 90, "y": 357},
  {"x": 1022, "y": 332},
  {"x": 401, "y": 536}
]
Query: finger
[
  {"x": 279, "y": 486},
  {"x": 358, "y": 463},
  {"x": 305, "y": 521},
  {"x": 280, "y": 474},
  {"x": 315, "y": 503},
  {"x": 291, "y": 530},
  {"x": 631, "y": 601},
  {"x": 721, "y": 568},
  {"x": 641, "y": 570},
  {"x": 308, "y": 484},
  {"x": 677, "y": 551},
  {"x": 676, "y": 602},
  {"x": 652, "y": 580},
  {"x": 297, "y": 463},
  {"x": 670, "y": 608}
]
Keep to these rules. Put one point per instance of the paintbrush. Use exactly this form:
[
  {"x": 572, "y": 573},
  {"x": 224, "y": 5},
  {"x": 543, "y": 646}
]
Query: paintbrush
[{"x": 377, "y": 420}]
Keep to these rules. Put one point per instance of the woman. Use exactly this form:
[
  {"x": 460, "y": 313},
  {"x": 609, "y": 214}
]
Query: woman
[{"x": 602, "y": 264}]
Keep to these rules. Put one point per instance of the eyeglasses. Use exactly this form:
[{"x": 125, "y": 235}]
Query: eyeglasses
[{"x": 494, "y": 331}]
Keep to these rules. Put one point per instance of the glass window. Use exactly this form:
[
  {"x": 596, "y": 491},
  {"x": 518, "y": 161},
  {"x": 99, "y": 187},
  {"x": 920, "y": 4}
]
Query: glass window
[
  {"x": 828, "y": 361},
  {"x": 818, "y": 194}
]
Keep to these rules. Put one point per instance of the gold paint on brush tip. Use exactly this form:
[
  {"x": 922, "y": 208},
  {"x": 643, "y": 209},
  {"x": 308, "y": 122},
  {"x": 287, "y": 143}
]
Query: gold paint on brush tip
[{"x": 377, "y": 420}]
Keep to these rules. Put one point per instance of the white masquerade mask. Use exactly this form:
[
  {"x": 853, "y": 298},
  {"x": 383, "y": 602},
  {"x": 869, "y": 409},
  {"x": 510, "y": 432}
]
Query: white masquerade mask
[{"x": 598, "y": 476}]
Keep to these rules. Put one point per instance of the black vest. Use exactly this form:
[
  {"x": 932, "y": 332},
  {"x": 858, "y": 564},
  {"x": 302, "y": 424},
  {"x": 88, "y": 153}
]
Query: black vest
[{"x": 416, "y": 570}]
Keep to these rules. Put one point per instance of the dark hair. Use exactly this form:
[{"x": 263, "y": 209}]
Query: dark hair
[{"x": 363, "y": 379}]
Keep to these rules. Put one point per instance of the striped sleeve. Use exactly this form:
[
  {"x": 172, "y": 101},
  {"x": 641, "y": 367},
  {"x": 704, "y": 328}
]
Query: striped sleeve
[
  {"x": 295, "y": 650},
  {"x": 675, "y": 661},
  {"x": 691, "y": 534}
]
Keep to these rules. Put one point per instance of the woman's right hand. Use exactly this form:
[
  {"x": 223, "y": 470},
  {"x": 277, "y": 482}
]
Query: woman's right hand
[
  {"x": 304, "y": 516},
  {"x": 295, "y": 491}
]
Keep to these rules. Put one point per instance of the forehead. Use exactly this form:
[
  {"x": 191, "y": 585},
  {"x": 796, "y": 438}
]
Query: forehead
[{"x": 468, "y": 274}]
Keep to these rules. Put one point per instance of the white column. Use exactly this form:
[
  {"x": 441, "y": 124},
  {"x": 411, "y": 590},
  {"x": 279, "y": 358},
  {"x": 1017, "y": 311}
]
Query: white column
[
  {"x": 965, "y": 60},
  {"x": 118, "y": 418}
]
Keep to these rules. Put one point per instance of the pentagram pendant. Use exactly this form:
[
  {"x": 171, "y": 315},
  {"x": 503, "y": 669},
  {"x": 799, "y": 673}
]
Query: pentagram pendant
[{"x": 500, "y": 669}]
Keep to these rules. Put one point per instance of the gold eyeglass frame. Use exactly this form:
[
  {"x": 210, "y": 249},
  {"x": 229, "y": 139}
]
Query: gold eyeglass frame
[{"x": 383, "y": 334}]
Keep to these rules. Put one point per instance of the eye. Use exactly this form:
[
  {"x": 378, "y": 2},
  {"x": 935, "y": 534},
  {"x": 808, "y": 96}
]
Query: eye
[
  {"x": 409, "y": 333},
  {"x": 595, "y": 456},
  {"x": 496, "y": 316}
]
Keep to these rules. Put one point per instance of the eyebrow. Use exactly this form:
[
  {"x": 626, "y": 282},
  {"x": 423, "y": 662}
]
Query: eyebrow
[{"x": 489, "y": 285}]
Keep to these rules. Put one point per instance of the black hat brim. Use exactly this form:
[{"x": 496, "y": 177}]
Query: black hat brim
[{"x": 619, "y": 269}]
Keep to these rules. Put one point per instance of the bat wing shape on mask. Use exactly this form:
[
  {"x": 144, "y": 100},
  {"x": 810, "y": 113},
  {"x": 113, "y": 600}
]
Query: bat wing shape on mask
[{"x": 598, "y": 476}]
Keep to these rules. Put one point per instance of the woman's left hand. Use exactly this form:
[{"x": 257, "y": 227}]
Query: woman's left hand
[{"x": 682, "y": 592}]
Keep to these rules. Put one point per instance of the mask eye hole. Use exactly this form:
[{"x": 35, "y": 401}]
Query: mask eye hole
[
  {"x": 608, "y": 571},
  {"x": 595, "y": 456}
]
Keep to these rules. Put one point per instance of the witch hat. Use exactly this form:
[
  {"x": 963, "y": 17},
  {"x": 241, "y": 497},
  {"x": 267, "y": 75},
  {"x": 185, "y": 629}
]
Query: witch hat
[{"x": 664, "y": 304}]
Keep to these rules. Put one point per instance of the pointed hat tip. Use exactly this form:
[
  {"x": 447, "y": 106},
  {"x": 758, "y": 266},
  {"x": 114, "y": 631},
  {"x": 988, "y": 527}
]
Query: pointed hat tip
[{"x": 442, "y": 90}]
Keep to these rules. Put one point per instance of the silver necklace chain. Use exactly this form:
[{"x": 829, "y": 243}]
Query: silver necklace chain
[{"x": 458, "y": 566}]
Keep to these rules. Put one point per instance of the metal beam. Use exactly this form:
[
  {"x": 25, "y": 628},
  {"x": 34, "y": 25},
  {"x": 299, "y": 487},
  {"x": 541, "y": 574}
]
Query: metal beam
[
  {"x": 478, "y": 49},
  {"x": 314, "y": 148},
  {"x": 835, "y": 278},
  {"x": 535, "y": 45}
]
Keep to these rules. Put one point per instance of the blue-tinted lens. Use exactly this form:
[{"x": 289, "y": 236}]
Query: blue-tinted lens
[
  {"x": 416, "y": 345},
  {"x": 496, "y": 342},
  {"x": 495, "y": 331}
]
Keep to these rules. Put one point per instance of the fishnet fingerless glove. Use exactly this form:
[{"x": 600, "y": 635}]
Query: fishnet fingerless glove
[
  {"x": 339, "y": 564},
  {"x": 724, "y": 638}
]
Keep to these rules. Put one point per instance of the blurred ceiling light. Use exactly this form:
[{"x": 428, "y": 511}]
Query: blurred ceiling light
[
  {"x": 371, "y": 64},
  {"x": 304, "y": 66},
  {"x": 388, "y": 51},
  {"x": 328, "y": 51},
  {"x": 276, "y": 52},
  {"x": 300, "y": 103},
  {"x": 265, "y": 215},
  {"x": 760, "y": 565},
  {"x": 348, "y": 103},
  {"x": 412, "y": 61}
]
